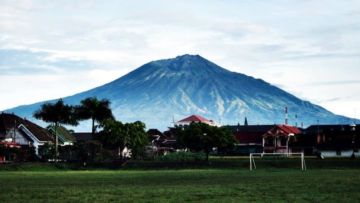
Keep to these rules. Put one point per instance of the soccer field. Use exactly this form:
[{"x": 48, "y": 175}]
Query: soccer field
[{"x": 198, "y": 185}]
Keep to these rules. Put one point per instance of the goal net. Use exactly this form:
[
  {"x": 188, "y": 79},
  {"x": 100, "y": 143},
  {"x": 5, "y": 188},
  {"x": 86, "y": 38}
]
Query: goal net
[{"x": 273, "y": 156}]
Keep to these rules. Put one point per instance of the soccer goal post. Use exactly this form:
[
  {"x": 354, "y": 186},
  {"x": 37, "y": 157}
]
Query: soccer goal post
[{"x": 252, "y": 157}]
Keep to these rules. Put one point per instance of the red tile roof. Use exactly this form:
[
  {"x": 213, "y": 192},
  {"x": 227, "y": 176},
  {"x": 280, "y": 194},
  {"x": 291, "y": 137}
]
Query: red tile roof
[
  {"x": 195, "y": 118},
  {"x": 289, "y": 129},
  {"x": 251, "y": 134},
  {"x": 283, "y": 130}
]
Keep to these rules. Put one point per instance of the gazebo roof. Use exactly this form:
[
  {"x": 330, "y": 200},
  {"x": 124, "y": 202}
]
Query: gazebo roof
[
  {"x": 194, "y": 118},
  {"x": 282, "y": 130}
]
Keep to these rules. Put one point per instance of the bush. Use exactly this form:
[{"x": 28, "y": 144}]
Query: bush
[
  {"x": 183, "y": 156},
  {"x": 47, "y": 151}
]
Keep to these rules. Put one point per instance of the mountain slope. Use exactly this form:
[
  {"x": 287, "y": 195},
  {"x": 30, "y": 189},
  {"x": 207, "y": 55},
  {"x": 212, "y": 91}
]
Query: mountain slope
[{"x": 159, "y": 91}]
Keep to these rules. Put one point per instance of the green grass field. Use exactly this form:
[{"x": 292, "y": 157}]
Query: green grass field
[{"x": 196, "y": 185}]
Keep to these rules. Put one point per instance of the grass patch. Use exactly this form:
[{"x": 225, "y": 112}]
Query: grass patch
[{"x": 194, "y": 185}]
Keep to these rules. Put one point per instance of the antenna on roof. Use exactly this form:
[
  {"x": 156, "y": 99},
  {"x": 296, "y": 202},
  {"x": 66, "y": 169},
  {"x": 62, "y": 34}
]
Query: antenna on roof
[
  {"x": 286, "y": 115},
  {"x": 318, "y": 130},
  {"x": 14, "y": 135},
  {"x": 173, "y": 120}
]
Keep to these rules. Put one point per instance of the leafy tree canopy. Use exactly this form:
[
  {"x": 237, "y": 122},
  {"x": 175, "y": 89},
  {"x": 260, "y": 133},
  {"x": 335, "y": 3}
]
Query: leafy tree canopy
[
  {"x": 115, "y": 134},
  {"x": 94, "y": 109},
  {"x": 203, "y": 137},
  {"x": 57, "y": 113}
]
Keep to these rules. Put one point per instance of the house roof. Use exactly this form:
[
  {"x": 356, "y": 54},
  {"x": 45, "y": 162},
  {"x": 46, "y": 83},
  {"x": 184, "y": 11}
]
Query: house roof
[
  {"x": 195, "y": 118},
  {"x": 63, "y": 133},
  {"x": 314, "y": 129},
  {"x": 9, "y": 121},
  {"x": 250, "y": 128},
  {"x": 153, "y": 132},
  {"x": 83, "y": 136},
  {"x": 289, "y": 129},
  {"x": 247, "y": 134},
  {"x": 283, "y": 130}
]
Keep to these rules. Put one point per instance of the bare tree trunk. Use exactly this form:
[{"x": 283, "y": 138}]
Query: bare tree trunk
[{"x": 121, "y": 153}]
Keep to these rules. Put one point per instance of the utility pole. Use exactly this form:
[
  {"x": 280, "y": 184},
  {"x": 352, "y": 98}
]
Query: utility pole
[{"x": 286, "y": 115}]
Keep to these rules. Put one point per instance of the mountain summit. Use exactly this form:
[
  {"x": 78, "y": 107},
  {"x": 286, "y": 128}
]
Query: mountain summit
[{"x": 163, "y": 90}]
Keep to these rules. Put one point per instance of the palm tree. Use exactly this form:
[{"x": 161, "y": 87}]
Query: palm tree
[
  {"x": 94, "y": 109},
  {"x": 56, "y": 113}
]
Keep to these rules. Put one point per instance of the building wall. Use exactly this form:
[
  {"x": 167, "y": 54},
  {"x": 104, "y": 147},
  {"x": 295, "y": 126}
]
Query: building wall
[
  {"x": 19, "y": 137},
  {"x": 340, "y": 153}
]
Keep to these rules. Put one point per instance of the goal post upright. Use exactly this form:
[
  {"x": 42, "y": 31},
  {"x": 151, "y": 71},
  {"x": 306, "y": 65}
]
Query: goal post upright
[
  {"x": 253, "y": 155},
  {"x": 250, "y": 162},
  {"x": 302, "y": 163}
]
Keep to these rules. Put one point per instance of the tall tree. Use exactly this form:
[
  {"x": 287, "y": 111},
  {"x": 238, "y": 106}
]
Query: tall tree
[
  {"x": 116, "y": 135},
  {"x": 94, "y": 109},
  {"x": 138, "y": 138},
  {"x": 203, "y": 137},
  {"x": 56, "y": 113}
]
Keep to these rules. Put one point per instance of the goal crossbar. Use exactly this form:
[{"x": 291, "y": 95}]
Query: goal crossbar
[{"x": 253, "y": 165}]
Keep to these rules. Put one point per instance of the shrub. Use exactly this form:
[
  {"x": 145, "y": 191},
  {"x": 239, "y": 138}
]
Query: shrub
[
  {"x": 47, "y": 151},
  {"x": 183, "y": 156}
]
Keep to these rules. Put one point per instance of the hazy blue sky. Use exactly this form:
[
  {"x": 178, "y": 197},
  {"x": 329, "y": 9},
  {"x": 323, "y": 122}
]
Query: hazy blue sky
[{"x": 52, "y": 49}]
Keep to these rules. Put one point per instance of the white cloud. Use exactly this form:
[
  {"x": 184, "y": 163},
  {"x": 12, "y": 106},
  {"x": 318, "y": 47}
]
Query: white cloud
[{"x": 294, "y": 44}]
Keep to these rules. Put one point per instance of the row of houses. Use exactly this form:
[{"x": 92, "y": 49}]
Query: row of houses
[
  {"x": 17, "y": 132},
  {"x": 320, "y": 140},
  {"x": 324, "y": 140}
]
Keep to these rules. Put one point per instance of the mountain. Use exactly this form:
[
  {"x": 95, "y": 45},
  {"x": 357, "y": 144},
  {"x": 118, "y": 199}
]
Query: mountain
[{"x": 163, "y": 90}]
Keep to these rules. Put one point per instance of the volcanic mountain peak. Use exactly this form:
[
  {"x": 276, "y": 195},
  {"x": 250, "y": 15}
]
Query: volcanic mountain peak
[
  {"x": 188, "y": 63},
  {"x": 190, "y": 84}
]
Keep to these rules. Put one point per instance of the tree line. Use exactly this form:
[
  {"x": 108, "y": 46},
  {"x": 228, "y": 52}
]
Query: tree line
[
  {"x": 114, "y": 137},
  {"x": 113, "y": 134}
]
